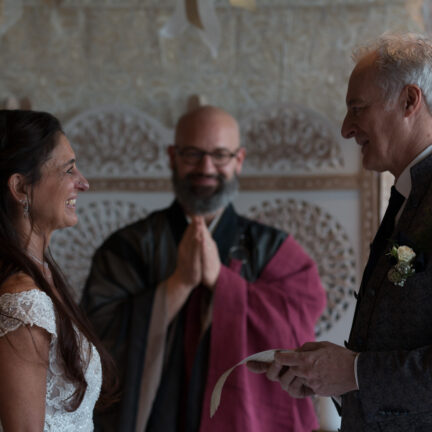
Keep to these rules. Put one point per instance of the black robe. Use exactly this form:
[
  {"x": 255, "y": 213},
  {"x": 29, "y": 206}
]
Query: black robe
[{"x": 119, "y": 296}]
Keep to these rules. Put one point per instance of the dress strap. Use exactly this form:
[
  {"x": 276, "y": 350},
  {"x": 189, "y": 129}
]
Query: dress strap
[{"x": 32, "y": 307}]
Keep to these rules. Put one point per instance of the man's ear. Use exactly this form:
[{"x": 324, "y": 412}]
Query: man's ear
[
  {"x": 241, "y": 154},
  {"x": 412, "y": 98},
  {"x": 18, "y": 187}
]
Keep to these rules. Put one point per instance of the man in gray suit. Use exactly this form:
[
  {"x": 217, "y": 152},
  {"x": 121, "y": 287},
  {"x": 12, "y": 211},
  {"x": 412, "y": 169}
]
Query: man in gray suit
[{"x": 383, "y": 378}]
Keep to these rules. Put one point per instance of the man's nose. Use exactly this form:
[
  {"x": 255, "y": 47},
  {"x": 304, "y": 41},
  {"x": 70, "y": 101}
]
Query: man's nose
[
  {"x": 348, "y": 129},
  {"x": 206, "y": 163}
]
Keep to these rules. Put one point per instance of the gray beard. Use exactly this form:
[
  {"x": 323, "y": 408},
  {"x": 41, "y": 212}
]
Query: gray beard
[{"x": 203, "y": 199}]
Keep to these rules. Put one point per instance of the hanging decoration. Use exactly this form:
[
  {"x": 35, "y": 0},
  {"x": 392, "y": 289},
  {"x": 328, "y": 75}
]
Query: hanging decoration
[
  {"x": 201, "y": 15},
  {"x": 10, "y": 13},
  {"x": 245, "y": 4}
]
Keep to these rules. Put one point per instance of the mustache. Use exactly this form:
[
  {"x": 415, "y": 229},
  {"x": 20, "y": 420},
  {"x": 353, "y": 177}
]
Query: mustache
[{"x": 193, "y": 176}]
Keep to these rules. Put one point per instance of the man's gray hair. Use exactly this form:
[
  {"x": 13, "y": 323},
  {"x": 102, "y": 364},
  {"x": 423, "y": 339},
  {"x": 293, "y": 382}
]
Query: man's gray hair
[{"x": 401, "y": 59}]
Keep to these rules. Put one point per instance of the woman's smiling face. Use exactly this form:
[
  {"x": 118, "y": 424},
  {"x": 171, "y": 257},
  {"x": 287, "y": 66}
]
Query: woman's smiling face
[{"x": 53, "y": 201}]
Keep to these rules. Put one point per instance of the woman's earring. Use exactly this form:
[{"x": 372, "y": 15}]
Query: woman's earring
[{"x": 26, "y": 206}]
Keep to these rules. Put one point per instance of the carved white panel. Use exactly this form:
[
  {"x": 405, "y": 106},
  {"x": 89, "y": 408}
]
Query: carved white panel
[
  {"x": 290, "y": 137},
  {"x": 73, "y": 248},
  {"x": 119, "y": 142},
  {"x": 125, "y": 142},
  {"x": 326, "y": 241}
]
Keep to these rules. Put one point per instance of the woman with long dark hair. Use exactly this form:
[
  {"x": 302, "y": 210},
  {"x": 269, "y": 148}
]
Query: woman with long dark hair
[{"x": 50, "y": 362}]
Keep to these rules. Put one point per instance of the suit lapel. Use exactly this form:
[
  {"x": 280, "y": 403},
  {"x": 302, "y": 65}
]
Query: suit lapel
[
  {"x": 417, "y": 215},
  {"x": 412, "y": 219},
  {"x": 414, "y": 222}
]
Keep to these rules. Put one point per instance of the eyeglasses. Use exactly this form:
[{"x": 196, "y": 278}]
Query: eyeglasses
[{"x": 193, "y": 156}]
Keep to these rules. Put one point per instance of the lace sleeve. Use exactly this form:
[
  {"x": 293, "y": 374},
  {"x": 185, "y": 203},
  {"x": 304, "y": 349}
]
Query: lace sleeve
[{"x": 31, "y": 307}]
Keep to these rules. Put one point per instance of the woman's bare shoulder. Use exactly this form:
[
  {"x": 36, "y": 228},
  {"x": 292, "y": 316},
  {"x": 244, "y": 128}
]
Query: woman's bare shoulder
[{"x": 19, "y": 282}]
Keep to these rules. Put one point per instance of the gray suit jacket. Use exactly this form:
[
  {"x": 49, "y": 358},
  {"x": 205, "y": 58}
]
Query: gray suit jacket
[{"x": 392, "y": 329}]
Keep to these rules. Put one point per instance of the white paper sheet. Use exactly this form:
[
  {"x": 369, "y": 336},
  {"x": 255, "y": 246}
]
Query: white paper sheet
[{"x": 263, "y": 356}]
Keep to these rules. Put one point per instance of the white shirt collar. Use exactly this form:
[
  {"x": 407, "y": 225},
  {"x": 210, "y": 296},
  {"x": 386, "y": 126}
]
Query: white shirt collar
[
  {"x": 403, "y": 183},
  {"x": 214, "y": 222},
  {"x": 212, "y": 226}
]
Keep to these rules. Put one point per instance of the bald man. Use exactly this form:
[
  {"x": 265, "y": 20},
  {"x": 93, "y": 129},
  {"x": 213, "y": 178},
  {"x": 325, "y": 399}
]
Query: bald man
[{"x": 186, "y": 293}]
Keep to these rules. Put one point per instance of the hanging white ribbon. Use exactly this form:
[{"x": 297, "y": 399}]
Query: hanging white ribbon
[
  {"x": 245, "y": 4},
  {"x": 202, "y": 16},
  {"x": 10, "y": 13}
]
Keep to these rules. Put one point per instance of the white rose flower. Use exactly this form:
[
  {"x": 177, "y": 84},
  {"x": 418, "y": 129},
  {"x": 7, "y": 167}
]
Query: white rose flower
[{"x": 405, "y": 254}]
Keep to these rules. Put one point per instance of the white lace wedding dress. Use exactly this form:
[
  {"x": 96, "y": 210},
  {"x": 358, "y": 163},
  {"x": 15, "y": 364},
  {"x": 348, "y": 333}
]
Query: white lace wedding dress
[{"x": 34, "y": 307}]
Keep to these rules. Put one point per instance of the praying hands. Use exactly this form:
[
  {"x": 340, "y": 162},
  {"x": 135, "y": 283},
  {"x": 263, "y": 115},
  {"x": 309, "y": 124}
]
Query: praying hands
[{"x": 198, "y": 263}]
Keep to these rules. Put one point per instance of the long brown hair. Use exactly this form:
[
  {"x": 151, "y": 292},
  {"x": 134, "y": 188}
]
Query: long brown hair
[{"x": 27, "y": 139}]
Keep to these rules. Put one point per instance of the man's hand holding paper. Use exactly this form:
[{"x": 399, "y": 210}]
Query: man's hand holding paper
[{"x": 320, "y": 368}]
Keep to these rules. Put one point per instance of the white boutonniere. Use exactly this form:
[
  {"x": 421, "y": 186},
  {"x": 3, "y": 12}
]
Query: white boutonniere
[{"x": 403, "y": 268}]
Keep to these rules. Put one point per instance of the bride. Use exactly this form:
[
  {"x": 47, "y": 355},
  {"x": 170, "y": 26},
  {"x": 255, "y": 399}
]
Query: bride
[{"x": 50, "y": 362}]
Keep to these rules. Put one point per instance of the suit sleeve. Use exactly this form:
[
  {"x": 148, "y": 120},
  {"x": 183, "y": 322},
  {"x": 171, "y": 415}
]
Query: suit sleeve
[{"x": 406, "y": 378}]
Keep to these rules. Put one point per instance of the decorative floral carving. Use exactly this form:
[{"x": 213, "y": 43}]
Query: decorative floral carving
[
  {"x": 291, "y": 137},
  {"x": 73, "y": 248},
  {"x": 124, "y": 142},
  {"x": 326, "y": 241},
  {"x": 119, "y": 142}
]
